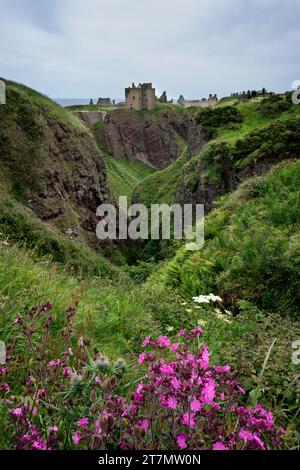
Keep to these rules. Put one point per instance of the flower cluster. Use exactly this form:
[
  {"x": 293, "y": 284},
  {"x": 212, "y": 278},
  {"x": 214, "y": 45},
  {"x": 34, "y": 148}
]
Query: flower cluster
[
  {"x": 206, "y": 299},
  {"x": 182, "y": 400}
]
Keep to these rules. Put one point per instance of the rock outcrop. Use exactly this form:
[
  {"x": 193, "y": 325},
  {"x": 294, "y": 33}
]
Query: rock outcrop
[
  {"x": 52, "y": 162},
  {"x": 154, "y": 137}
]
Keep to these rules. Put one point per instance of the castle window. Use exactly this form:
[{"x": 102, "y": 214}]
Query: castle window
[{"x": 133, "y": 97}]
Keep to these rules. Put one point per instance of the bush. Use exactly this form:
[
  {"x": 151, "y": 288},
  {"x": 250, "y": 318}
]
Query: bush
[
  {"x": 274, "y": 105},
  {"x": 211, "y": 119}
]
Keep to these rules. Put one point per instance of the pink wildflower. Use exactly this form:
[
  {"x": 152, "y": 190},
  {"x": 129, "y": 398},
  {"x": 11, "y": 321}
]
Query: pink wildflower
[
  {"x": 196, "y": 405},
  {"x": 98, "y": 428},
  {"x": 67, "y": 372},
  {"x": 167, "y": 369},
  {"x": 76, "y": 438},
  {"x": 39, "y": 444},
  {"x": 53, "y": 429},
  {"x": 181, "y": 441},
  {"x": 83, "y": 422},
  {"x": 175, "y": 383},
  {"x": 188, "y": 419},
  {"x": 17, "y": 412},
  {"x": 144, "y": 424},
  {"x": 172, "y": 403},
  {"x": 208, "y": 391},
  {"x": 141, "y": 358},
  {"x": 5, "y": 388},
  {"x": 146, "y": 341},
  {"x": 219, "y": 446},
  {"x": 174, "y": 347},
  {"x": 163, "y": 342}
]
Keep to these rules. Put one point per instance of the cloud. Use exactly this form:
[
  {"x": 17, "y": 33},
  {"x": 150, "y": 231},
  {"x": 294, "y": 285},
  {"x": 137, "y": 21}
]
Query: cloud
[{"x": 77, "y": 48}]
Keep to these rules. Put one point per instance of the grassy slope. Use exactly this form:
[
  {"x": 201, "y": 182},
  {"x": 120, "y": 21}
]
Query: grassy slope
[
  {"x": 52, "y": 109},
  {"x": 124, "y": 176},
  {"x": 17, "y": 222},
  {"x": 252, "y": 248},
  {"x": 159, "y": 187}
]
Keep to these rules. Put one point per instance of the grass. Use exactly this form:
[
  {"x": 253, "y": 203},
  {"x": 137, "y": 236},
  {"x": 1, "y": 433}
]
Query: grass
[
  {"x": 252, "y": 119},
  {"x": 123, "y": 176},
  {"x": 160, "y": 187},
  {"x": 18, "y": 94},
  {"x": 115, "y": 314},
  {"x": 21, "y": 225},
  {"x": 252, "y": 246},
  {"x": 251, "y": 258},
  {"x": 89, "y": 107}
]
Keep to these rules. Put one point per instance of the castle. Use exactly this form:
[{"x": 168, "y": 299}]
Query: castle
[
  {"x": 140, "y": 97},
  {"x": 143, "y": 97},
  {"x": 212, "y": 100}
]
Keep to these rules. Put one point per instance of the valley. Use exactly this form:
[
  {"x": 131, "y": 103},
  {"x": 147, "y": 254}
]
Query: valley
[{"x": 240, "y": 159}]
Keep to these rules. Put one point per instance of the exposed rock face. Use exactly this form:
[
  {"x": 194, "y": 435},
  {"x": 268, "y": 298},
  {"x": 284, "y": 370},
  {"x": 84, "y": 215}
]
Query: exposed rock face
[
  {"x": 154, "y": 137},
  {"x": 199, "y": 190},
  {"x": 91, "y": 117},
  {"x": 53, "y": 163}
]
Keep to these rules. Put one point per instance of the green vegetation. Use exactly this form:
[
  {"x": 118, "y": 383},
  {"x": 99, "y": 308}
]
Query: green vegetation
[
  {"x": 251, "y": 255},
  {"x": 211, "y": 119},
  {"x": 252, "y": 248},
  {"x": 89, "y": 107},
  {"x": 160, "y": 187},
  {"x": 20, "y": 225},
  {"x": 28, "y": 102},
  {"x": 275, "y": 105},
  {"x": 123, "y": 176}
]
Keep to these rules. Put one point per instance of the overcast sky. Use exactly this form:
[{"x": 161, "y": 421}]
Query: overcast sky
[{"x": 90, "y": 48}]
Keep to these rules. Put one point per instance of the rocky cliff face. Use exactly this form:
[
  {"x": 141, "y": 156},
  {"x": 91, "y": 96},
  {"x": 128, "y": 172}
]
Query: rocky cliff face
[
  {"x": 52, "y": 163},
  {"x": 154, "y": 137},
  {"x": 221, "y": 167}
]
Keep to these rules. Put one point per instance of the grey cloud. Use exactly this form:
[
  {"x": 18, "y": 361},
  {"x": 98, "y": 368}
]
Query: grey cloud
[{"x": 76, "y": 48}]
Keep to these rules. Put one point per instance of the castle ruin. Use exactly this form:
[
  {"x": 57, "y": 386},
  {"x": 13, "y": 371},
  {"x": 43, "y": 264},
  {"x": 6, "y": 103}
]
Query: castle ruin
[
  {"x": 140, "y": 97},
  {"x": 212, "y": 100}
]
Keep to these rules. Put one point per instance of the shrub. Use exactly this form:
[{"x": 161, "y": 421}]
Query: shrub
[
  {"x": 274, "y": 105},
  {"x": 211, "y": 119},
  {"x": 73, "y": 401}
]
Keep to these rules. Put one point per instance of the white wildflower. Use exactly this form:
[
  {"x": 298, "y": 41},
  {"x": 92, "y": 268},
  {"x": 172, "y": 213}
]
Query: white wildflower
[
  {"x": 169, "y": 328},
  {"x": 206, "y": 299}
]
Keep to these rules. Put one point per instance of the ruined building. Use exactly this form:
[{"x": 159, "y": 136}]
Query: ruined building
[
  {"x": 140, "y": 97},
  {"x": 104, "y": 101},
  {"x": 212, "y": 100}
]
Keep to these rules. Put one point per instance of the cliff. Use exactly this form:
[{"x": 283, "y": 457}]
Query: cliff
[
  {"x": 154, "y": 137},
  {"x": 51, "y": 163}
]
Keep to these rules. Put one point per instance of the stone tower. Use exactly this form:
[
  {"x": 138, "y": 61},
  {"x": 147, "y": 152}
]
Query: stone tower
[{"x": 140, "y": 97}]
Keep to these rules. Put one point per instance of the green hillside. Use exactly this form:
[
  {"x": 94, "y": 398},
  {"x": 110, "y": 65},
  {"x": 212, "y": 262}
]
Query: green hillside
[
  {"x": 165, "y": 183},
  {"x": 123, "y": 176},
  {"x": 53, "y": 176}
]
